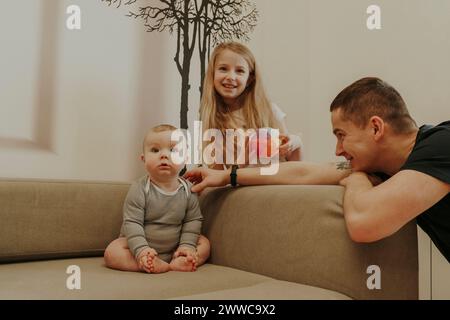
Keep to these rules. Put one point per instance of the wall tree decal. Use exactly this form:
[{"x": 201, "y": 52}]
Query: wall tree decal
[{"x": 202, "y": 22}]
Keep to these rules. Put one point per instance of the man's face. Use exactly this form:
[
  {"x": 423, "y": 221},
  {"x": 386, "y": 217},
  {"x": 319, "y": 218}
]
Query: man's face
[{"x": 355, "y": 144}]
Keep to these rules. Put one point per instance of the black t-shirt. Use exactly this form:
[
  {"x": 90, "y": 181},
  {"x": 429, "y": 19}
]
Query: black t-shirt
[{"x": 431, "y": 155}]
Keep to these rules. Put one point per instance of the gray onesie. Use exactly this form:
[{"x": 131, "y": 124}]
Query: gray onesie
[{"x": 161, "y": 220}]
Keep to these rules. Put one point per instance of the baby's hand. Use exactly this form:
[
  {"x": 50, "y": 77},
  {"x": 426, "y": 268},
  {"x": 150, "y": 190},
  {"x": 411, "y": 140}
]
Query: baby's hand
[
  {"x": 186, "y": 252},
  {"x": 145, "y": 257}
]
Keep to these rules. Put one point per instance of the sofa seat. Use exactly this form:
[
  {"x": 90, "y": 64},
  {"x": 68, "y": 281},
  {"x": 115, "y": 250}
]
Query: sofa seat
[{"x": 47, "y": 280}]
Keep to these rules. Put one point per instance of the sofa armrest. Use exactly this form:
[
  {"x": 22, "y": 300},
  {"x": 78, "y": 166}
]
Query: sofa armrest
[{"x": 297, "y": 233}]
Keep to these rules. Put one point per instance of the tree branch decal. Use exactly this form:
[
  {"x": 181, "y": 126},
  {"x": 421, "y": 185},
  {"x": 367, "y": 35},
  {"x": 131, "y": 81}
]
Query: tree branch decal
[{"x": 200, "y": 24}]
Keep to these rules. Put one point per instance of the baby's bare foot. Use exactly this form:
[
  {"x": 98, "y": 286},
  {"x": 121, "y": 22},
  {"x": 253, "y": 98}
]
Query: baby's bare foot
[
  {"x": 157, "y": 265},
  {"x": 183, "y": 263}
]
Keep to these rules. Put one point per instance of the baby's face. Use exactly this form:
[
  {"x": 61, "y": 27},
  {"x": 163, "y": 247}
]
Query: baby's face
[{"x": 157, "y": 155}]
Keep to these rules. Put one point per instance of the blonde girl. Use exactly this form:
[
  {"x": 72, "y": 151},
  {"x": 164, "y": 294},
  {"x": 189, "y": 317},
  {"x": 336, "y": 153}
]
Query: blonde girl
[{"x": 234, "y": 97}]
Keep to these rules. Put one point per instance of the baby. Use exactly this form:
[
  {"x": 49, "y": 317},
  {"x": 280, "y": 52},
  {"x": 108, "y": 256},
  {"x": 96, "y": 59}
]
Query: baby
[{"x": 161, "y": 217}]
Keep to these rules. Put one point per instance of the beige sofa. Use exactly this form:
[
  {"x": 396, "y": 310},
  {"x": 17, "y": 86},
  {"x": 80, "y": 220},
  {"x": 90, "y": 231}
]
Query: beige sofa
[{"x": 268, "y": 242}]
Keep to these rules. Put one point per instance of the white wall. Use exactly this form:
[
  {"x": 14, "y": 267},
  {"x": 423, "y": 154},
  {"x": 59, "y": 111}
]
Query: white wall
[
  {"x": 76, "y": 104},
  {"x": 410, "y": 51},
  {"x": 281, "y": 47}
]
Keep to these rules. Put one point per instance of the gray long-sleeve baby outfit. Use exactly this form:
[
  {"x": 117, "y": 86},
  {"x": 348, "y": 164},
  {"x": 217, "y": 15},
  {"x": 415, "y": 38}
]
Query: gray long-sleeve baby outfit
[{"x": 160, "y": 220}]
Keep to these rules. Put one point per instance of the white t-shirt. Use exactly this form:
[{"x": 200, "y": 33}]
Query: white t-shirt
[
  {"x": 237, "y": 119},
  {"x": 278, "y": 113}
]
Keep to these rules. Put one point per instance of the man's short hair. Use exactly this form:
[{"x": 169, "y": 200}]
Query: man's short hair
[{"x": 370, "y": 97}]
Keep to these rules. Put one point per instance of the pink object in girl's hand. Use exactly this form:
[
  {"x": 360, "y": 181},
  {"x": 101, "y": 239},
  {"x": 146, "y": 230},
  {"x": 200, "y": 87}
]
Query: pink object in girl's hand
[{"x": 265, "y": 146}]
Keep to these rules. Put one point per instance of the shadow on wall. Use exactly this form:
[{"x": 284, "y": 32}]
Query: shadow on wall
[{"x": 44, "y": 103}]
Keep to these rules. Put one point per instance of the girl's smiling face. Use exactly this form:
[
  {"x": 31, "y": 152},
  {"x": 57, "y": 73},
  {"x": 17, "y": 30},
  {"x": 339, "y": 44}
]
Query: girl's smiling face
[{"x": 231, "y": 75}]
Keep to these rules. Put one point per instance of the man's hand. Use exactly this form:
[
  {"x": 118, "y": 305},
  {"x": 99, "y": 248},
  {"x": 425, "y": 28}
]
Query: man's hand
[
  {"x": 145, "y": 256},
  {"x": 203, "y": 177},
  {"x": 360, "y": 177},
  {"x": 375, "y": 180}
]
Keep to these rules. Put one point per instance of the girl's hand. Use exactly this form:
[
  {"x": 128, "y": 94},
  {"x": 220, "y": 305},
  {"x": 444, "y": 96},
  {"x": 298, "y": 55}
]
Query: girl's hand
[
  {"x": 284, "y": 148},
  {"x": 203, "y": 177}
]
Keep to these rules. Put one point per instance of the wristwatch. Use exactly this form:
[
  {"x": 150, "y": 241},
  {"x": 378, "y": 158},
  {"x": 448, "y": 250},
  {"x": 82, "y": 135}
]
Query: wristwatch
[{"x": 233, "y": 175}]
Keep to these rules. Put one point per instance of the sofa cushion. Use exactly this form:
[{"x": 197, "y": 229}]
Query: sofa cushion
[
  {"x": 47, "y": 280},
  {"x": 270, "y": 290},
  {"x": 46, "y": 219}
]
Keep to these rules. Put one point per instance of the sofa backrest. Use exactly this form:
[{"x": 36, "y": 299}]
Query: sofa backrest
[
  {"x": 44, "y": 219},
  {"x": 298, "y": 233}
]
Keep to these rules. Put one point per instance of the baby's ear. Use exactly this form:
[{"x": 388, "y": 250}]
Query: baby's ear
[{"x": 142, "y": 158}]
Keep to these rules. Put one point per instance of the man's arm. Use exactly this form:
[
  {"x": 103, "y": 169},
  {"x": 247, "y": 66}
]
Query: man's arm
[
  {"x": 373, "y": 213},
  {"x": 295, "y": 172}
]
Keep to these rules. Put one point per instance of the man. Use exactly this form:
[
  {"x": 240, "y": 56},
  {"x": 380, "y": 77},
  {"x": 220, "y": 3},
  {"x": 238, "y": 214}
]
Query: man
[{"x": 378, "y": 137}]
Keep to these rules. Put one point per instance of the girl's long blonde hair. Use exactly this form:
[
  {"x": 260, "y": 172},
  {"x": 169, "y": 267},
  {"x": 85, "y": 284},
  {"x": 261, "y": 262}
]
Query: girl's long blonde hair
[{"x": 256, "y": 107}]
